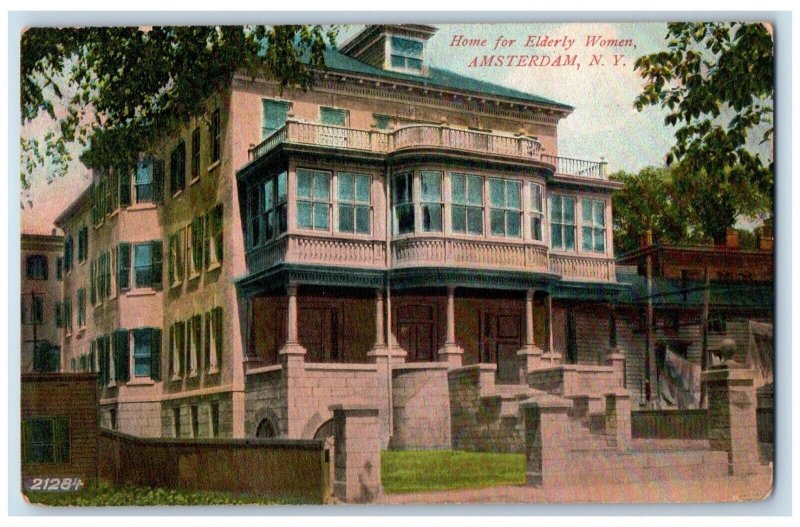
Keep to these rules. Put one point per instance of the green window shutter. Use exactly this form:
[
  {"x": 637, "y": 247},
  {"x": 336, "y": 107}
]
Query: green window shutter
[
  {"x": 155, "y": 354},
  {"x": 218, "y": 231},
  {"x": 171, "y": 260},
  {"x": 61, "y": 440},
  {"x": 180, "y": 329},
  {"x": 59, "y": 321},
  {"x": 121, "y": 356},
  {"x": 157, "y": 263},
  {"x": 104, "y": 363},
  {"x": 108, "y": 274},
  {"x": 158, "y": 181},
  {"x": 92, "y": 284},
  {"x": 219, "y": 336},
  {"x": 125, "y": 187},
  {"x": 171, "y": 348},
  {"x": 124, "y": 265},
  {"x": 205, "y": 220}
]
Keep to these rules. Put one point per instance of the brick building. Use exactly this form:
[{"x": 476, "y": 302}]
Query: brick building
[
  {"x": 360, "y": 242},
  {"x": 41, "y": 265}
]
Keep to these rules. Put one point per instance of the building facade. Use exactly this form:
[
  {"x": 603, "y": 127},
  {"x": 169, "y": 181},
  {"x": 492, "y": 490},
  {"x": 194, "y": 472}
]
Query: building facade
[
  {"x": 42, "y": 269},
  {"x": 353, "y": 243}
]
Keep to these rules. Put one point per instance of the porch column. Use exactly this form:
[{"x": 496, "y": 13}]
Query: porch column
[
  {"x": 615, "y": 356},
  {"x": 552, "y": 357},
  {"x": 451, "y": 353},
  {"x": 292, "y": 347},
  {"x": 530, "y": 356},
  {"x": 380, "y": 336}
]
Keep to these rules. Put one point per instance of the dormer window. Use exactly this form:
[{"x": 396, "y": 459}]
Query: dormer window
[{"x": 405, "y": 54}]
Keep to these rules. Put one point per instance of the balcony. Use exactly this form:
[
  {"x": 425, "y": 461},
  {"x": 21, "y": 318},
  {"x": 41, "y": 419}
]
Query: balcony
[
  {"x": 318, "y": 250},
  {"x": 440, "y": 137}
]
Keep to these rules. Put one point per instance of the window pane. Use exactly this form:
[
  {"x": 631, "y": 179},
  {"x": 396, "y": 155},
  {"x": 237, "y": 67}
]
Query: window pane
[
  {"x": 269, "y": 197},
  {"x": 346, "y": 223},
  {"x": 497, "y": 222},
  {"x": 599, "y": 240},
  {"x": 144, "y": 173},
  {"x": 407, "y": 47},
  {"x": 281, "y": 187},
  {"x": 587, "y": 244},
  {"x": 513, "y": 223},
  {"x": 475, "y": 190},
  {"x": 274, "y": 115},
  {"x": 458, "y": 190},
  {"x": 414, "y": 64},
  {"x": 345, "y": 186},
  {"x": 304, "y": 214},
  {"x": 569, "y": 238},
  {"x": 458, "y": 217},
  {"x": 586, "y": 211},
  {"x": 432, "y": 217},
  {"x": 496, "y": 194},
  {"x": 304, "y": 181},
  {"x": 475, "y": 220},
  {"x": 536, "y": 228},
  {"x": 405, "y": 219},
  {"x": 322, "y": 186},
  {"x": 556, "y": 240},
  {"x": 362, "y": 220},
  {"x": 362, "y": 189},
  {"x": 569, "y": 211},
  {"x": 536, "y": 197},
  {"x": 321, "y": 216},
  {"x": 431, "y": 186},
  {"x": 599, "y": 216},
  {"x": 555, "y": 208},
  {"x": 513, "y": 195}
]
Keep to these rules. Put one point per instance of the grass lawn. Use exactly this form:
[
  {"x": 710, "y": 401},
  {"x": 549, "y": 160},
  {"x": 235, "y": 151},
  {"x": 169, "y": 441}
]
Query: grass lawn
[
  {"x": 417, "y": 470},
  {"x": 105, "y": 495}
]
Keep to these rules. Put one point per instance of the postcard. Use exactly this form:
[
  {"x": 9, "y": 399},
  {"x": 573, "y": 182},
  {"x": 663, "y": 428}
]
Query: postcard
[{"x": 397, "y": 263}]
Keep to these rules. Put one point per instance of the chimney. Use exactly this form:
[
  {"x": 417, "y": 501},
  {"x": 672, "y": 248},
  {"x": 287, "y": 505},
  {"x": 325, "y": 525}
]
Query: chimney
[{"x": 732, "y": 239}]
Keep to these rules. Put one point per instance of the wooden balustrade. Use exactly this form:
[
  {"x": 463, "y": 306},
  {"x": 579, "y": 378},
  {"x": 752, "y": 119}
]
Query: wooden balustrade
[
  {"x": 416, "y": 251},
  {"x": 583, "y": 268}
]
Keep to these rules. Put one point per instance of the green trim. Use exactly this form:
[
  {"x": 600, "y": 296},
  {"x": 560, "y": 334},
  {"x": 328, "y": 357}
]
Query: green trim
[
  {"x": 588, "y": 291},
  {"x": 279, "y": 276},
  {"x": 418, "y": 277}
]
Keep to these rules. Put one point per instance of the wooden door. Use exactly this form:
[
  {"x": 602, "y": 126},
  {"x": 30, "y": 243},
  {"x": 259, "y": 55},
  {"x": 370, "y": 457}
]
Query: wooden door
[
  {"x": 501, "y": 338},
  {"x": 319, "y": 333},
  {"x": 416, "y": 332}
]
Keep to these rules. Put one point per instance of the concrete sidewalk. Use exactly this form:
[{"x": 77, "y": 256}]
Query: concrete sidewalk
[{"x": 711, "y": 490}]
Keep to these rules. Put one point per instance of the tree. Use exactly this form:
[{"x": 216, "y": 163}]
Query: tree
[
  {"x": 117, "y": 90},
  {"x": 716, "y": 81}
]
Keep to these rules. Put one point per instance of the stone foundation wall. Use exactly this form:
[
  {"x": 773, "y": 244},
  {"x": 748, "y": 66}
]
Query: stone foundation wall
[
  {"x": 569, "y": 380},
  {"x": 421, "y": 406},
  {"x": 477, "y": 420},
  {"x": 204, "y": 404},
  {"x": 142, "y": 419},
  {"x": 265, "y": 399}
]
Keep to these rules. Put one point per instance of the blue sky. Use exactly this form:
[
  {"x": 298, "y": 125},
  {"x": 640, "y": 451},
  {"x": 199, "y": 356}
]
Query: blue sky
[{"x": 603, "y": 124}]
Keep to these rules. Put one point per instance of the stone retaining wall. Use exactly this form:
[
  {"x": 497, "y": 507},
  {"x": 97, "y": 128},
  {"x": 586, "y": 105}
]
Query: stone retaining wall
[{"x": 421, "y": 406}]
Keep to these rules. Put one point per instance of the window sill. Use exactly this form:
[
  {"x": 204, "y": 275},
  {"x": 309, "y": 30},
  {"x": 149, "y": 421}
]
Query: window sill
[
  {"x": 141, "y": 292},
  {"x": 178, "y": 194},
  {"x": 214, "y": 165},
  {"x": 144, "y": 381},
  {"x": 212, "y": 371},
  {"x": 112, "y": 384},
  {"x": 175, "y": 285},
  {"x": 213, "y": 267},
  {"x": 193, "y": 181},
  {"x": 193, "y": 374},
  {"x": 142, "y": 206},
  {"x": 175, "y": 378},
  {"x": 194, "y": 276}
]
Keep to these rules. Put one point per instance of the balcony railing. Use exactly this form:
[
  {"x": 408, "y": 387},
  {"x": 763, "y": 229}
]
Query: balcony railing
[
  {"x": 583, "y": 268},
  {"x": 429, "y": 250},
  {"x": 421, "y": 136}
]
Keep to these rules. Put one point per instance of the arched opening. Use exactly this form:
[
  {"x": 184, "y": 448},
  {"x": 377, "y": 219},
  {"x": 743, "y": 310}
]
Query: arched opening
[
  {"x": 266, "y": 429},
  {"x": 325, "y": 432}
]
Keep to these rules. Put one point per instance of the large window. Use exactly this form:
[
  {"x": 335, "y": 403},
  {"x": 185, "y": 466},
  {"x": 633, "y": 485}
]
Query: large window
[
  {"x": 406, "y": 54},
  {"x": 467, "y": 203},
  {"x": 254, "y": 218},
  {"x": 144, "y": 183},
  {"x": 142, "y": 346},
  {"x": 216, "y": 136},
  {"x": 36, "y": 265},
  {"x": 313, "y": 199},
  {"x": 45, "y": 440},
  {"x": 354, "y": 203},
  {"x": 593, "y": 226},
  {"x": 195, "y": 154},
  {"x": 537, "y": 211},
  {"x": 403, "y": 201},
  {"x": 431, "y": 200},
  {"x": 334, "y": 116},
  {"x": 562, "y": 223},
  {"x": 83, "y": 244},
  {"x": 195, "y": 249},
  {"x": 146, "y": 264},
  {"x": 506, "y": 207},
  {"x": 177, "y": 168},
  {"x": 274, "y": 116}
]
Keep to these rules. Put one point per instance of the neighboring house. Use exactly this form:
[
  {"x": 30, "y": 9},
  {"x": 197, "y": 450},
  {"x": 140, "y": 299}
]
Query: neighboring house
[
  {"x": 291, "y": 250},
  {"x": 59, "y": 430},
  {"x": 41, "y": 267},
  {"x": 741, "y": 294}
]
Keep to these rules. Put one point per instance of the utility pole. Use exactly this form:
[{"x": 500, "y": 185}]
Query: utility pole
[
  {"x": 704, "y": 349},
  {"x": 652, "y": 371}
]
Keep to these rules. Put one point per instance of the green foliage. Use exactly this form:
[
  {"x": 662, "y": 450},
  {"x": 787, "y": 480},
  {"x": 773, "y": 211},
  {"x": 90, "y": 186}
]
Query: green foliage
[
  {"x": 105, "y": 496},
  {"x": 716, "y": 81},
  {"x": 414, "y": 471},
  {"x": 117, "y": 90}
]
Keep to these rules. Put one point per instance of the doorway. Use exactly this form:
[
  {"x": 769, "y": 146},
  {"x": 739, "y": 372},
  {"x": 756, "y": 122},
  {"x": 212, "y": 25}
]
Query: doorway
[
  {"x": 501, "y": 338},
  {"x": 416, "y": 332}
]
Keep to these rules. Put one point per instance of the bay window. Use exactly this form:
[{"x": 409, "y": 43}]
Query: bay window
[
  {"x": 593, "y": 225},
  {"x": 354, "y": 202},
  {"x": 313, "y": 199},
  {"x": 506, "y": 207},
  {"x": 280, "y": 202},
  {"x": 403, "y": 201},
  {"x": 406, "y": 54},
  {"x": 466, "y": 193},
  {"x": 562, "y": 222},
  {"x": 268, "y": 210},
  {"x": 537, "y": 211},
  {"x": 431, "y": 200}
]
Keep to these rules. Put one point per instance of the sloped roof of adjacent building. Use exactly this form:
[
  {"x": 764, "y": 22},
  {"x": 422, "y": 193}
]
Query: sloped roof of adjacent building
[{"x": 436, "y": 77}]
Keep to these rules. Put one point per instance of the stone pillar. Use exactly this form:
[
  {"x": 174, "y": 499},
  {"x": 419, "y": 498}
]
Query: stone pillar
[
  {"x": 530, "y": 356},
  {"x": 357, "y": 455},
  {"x": 618, "y": 419},
  {"x": 292, "y": 357},
  {"x": 546, "y": 440},
  {"x": 732, "y": 424},
  {"x": 616, "y": 359},
  {"x": 451, "y": 353},
  {"x": 384, "y": 356}
]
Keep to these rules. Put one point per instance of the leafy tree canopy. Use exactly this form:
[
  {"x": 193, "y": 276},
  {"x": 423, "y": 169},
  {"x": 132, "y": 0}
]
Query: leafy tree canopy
[
  {"x": 116, "y": 90},
  {"x": 716, "y": 82}
]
